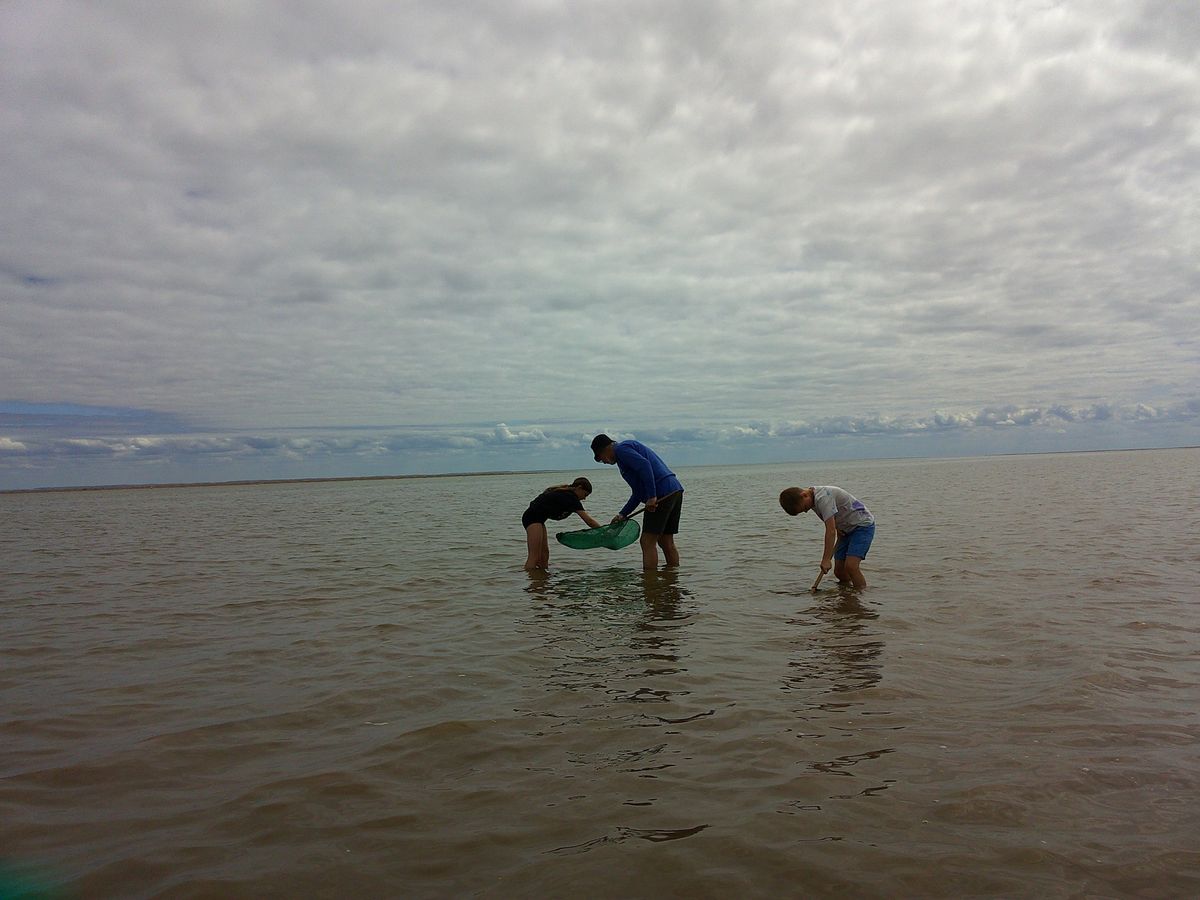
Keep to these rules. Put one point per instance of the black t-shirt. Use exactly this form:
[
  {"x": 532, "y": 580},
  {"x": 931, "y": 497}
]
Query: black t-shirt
[{"x": 553, "y": 505}]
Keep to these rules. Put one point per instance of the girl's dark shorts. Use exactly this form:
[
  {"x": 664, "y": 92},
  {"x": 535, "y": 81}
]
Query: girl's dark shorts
[
  {"x": 665, "y": 518},
  {"x": 530, "y": 517}
]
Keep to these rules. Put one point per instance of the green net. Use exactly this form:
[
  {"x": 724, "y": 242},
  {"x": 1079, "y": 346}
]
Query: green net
[{"x": 614, "y": 537}]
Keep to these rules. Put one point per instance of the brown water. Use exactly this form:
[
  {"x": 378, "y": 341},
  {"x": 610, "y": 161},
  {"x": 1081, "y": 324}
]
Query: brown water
[{"x": 352, "y": 689}]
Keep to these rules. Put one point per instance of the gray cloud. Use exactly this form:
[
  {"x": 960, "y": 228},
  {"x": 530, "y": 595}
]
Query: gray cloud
[
  {"x": 277, "y": 215},
  {"x": 24, "y": 458}
]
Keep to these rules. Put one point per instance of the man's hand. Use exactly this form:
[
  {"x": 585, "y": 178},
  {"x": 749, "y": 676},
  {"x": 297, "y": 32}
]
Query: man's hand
[
  {"x": 617, "y": 518},
  {"x": 652, "y": 504},
  {"x": 826, "y": 565}
]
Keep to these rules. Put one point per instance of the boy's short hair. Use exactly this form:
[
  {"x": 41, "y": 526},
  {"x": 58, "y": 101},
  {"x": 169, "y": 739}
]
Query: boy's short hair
[{"x": 789, "y": 499}]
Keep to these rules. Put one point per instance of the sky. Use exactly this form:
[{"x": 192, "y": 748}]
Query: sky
[{"x": 250, "y": 239}]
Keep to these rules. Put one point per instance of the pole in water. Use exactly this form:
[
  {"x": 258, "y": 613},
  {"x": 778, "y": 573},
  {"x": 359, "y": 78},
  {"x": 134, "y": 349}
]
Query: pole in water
[{"x": 818, "y": 581}]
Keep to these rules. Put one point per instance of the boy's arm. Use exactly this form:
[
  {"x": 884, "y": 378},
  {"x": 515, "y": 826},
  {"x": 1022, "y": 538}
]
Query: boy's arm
[{"x": 831, "y": 537}]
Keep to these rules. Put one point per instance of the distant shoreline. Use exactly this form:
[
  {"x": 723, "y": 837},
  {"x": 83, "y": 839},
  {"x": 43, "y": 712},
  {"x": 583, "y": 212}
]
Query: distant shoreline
[
  {"x": 337, "y": 478},
  {"x": 261, "y": 481}
]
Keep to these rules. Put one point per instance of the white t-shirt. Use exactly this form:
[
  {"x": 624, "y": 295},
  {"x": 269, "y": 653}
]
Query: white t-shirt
[{"x": 848, "y": 512}]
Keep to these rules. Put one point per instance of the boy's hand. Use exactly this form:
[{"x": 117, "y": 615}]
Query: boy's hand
[
  {"x": 651, "y": 504},
  {"x": 826, "y": 565},
  {"x": 617, "y": 518}
]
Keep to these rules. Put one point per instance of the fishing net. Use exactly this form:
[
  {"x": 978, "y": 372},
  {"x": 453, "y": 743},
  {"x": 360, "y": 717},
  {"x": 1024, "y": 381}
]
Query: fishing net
[{"x": 614, "y": 537}]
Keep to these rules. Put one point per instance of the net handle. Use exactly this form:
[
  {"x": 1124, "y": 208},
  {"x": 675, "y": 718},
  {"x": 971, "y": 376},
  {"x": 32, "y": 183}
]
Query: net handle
[{"x": 638, "y": 512}]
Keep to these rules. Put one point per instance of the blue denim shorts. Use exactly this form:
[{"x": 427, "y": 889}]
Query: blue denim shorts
[{"x": 855, "y": 543}]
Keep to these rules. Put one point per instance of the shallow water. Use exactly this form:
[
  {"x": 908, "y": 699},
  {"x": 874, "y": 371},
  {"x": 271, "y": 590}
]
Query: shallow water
[{"x": 340, "y": 688}]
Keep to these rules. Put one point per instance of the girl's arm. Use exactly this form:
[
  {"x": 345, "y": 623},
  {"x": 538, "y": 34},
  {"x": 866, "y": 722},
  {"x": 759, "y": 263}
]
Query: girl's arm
[{"x": 591, "y": 523}]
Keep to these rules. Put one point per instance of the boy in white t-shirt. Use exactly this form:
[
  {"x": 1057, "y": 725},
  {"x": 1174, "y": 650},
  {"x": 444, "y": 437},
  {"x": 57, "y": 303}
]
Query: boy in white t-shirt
[{"x": 849, "y": 527}]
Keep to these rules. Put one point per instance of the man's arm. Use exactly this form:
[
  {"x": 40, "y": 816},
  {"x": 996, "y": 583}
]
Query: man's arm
[
  {"x": 831, "y": 537},
  {"x": 627, "y": 508},
  {"x": 643, "y": 474}
]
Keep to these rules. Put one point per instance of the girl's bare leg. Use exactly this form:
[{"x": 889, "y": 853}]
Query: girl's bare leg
[{"x": 535, "y": 540}]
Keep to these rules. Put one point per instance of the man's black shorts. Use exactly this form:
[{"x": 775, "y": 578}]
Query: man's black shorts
[{"x": 665, "y": 518}]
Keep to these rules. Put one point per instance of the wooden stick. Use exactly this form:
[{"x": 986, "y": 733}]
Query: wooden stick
[{"x": 818, "y": 581}]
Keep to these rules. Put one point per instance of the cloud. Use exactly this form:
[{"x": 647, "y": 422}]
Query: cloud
[
  {"x": 505, "y": 435},
  {"x": 249, "y": 218},
  {"x": 445, "y": 448}
]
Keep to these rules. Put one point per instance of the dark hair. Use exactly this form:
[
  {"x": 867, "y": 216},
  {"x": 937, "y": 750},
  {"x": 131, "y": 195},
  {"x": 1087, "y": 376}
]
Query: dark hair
[
  {"x": 599, "y": 442},
  {"x": 578, "y": 482},
  {"x": 789, "y": 499}
]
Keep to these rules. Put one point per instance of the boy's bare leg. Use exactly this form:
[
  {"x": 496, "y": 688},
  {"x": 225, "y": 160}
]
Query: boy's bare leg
[
  {"x": 667, "y": 542},
  {"x": 853, "y": 571},
  {"x": 649, "y": 544}
]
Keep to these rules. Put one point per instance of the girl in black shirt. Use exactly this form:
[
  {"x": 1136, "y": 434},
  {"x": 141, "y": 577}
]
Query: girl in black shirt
[{"x": 556, "y": 502}]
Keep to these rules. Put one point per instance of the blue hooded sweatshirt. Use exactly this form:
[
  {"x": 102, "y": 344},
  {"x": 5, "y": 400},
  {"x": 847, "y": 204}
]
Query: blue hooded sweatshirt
[{"x": 645, "y": 473}]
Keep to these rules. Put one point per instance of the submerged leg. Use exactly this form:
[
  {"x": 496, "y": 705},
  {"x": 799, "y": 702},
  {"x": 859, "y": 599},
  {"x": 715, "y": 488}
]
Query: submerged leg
[
  {"x": 535, "y": 539},
  {"x": 854, "y": 572},
  {"x": 649, "y": 543},
  {"x": 667, "y": 542}
]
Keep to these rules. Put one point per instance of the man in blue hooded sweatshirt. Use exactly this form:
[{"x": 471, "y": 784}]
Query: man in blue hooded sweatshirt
[{"x": 652, "y": 483}]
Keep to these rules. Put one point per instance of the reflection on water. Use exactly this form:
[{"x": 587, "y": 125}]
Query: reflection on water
[
  {"x": 319, "y": 690},
  {"x": 619, "y": 584},
  {"x": 657, "y": 835},
  {"x": 836, "y": 649},
  {"x": 602, "y": 629},
  {"x": 841, "y": 653},
  {"x": 611, "y": 655}
]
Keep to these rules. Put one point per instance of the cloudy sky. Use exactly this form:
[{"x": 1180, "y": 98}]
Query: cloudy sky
[{"x": 279, "y": 239}]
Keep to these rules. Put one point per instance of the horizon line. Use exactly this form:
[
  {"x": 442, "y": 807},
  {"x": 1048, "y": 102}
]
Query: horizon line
[{"x": 321, "y": 479}]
